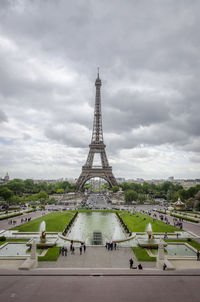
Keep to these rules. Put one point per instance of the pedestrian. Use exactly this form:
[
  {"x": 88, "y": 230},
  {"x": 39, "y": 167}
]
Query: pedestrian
[
  {"x": 60, "y": 250},
  {"x": 84, "y": 247},
  {"x": 65, "y": 251},
  {"x": 106, "y": 245},
  {"x": 111, "y": 246},
  {"x": 115, "y": 245},
  {"x": 71, "y": 247},
  {"x": 131, "y": 263},
  {"x": 80, "y": 250},
  {"x": 198, "y": 255},
  {"x": 73, "y": 250},
  {"x": 164, "y": 267}
]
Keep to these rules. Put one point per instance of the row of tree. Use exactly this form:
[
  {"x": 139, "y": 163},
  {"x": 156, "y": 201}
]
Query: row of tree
[
  {"x": 18, "y": 191},
  {"x": 148, "y": 191}
]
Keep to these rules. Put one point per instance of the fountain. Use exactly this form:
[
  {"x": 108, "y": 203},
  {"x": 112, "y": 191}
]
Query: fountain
[
  {"x": 43, "y": 231},
  {"x": 43, "y": 241},
  {"x": 150, "y": 242},
  {"x": 149, "y": 231}
]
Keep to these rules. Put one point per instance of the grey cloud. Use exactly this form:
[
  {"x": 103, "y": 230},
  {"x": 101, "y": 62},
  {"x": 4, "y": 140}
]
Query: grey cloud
[
  {"x": 151, "y": 45},
  {"x": 3, "y": 117}
]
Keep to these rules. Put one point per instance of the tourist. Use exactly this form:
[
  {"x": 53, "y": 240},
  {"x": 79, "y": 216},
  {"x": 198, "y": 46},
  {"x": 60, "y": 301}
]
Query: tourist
[
  {"x": 115, "y": 245},
  {"x": 164, "y": 267},
  {"x": 131, "y": 263},
  {"x": 111, "y": 246},
  {"x": 80, "y": 250},
  {"x": 65, "y": 250},
  {"x": 84, "y": 247},
  {"x": 198, "y": 255},
  {"x": 165, "y": 236}
]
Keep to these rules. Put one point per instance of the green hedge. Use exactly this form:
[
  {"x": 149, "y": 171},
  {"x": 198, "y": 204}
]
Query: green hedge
[
  {"x": 10, "y": 216},
  {"x": 51, "y": 255},
  {"x": 184, "y": 218}
]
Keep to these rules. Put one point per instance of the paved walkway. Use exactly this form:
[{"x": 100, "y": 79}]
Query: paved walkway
[
  {"x": 187, "y": 226},
  {"x": 96, "y": 257},
  {"x": 4, "y": 225},
  {"x": 137, "y": 288}
]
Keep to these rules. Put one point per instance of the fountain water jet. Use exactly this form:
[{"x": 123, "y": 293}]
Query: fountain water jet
[
  {"x": 43, "y": 231},
  {"x": 149, "y": 231}
]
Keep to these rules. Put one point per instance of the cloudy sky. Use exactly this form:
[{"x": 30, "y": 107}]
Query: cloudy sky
[{"x": 149, "y": 57}]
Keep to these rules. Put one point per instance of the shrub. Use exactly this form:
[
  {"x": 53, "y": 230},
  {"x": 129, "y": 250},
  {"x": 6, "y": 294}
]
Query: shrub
[{"x": 2, "y": 238}]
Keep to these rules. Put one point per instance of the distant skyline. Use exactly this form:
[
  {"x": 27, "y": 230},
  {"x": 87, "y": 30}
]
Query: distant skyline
[{"x": 148, "y": 52}]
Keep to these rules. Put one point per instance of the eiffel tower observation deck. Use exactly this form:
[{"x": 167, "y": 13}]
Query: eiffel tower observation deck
[{"x": 97, "y": 146}]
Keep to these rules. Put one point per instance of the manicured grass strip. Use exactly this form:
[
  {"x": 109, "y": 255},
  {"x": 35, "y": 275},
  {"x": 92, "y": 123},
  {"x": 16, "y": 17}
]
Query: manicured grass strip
[
  {"x": 142, "y": 255},
  {"x": 139, "y": 224},
  {"x": 51, "y": 255},
  {"x": 179, "y": 216},
  {"x": 55, "y": 222},
  {"x": 192, "y": 242},
  {"x": 185, "y": 218}
]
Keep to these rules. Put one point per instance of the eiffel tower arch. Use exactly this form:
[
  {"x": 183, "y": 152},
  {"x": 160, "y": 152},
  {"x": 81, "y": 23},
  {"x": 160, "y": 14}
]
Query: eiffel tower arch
[{"x": 97, "y": 146}]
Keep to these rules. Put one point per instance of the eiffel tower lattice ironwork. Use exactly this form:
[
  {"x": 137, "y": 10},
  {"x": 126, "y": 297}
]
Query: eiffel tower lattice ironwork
[{"x": 97, "y": 146}]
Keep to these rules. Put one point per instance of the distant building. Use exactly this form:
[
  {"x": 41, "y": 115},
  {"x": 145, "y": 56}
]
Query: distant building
[
  {"x": 120, "y": 179},
  {"x": 5, "y": 179}
]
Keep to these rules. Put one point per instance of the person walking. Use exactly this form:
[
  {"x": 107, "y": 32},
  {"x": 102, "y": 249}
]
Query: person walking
[
  {"x": 73, "y": 250},
  {"x": 65, "y": 251},
  {"x": 131, "y": 263},
  {"x": 84, "y": 247},
  {"x": 80, "y": 250},
  {"x": 198, "y": 255}
]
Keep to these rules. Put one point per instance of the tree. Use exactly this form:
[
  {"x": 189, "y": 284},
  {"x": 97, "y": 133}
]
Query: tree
[
  {"x": 42, "y": 196},
  {"x": 130, "y": 195},
  {"x": 6, "y": 193},
  {"x": 115, "y": 189},
  {"x": 29, "y": 185},
  {"x": 17, "y": 186},
  {"x": 60, "y": 191}
]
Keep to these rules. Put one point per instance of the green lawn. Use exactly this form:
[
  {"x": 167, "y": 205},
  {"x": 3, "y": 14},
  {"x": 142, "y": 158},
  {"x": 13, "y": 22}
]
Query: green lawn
[
  {"x": 142, "y": 255},
  {"x": 138, "y": 224},
  {"x": 55, "y": 222},
  {"x": 51, "y": 255}
]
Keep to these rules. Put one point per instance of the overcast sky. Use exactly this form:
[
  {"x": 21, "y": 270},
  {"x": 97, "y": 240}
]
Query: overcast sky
[{"x": 148, "y": 52}]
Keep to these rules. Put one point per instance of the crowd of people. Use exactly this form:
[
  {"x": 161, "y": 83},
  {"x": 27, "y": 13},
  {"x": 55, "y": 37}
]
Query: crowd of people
[
  {"x": 63, "y": 250},
  {"x": 111, "y": 245}
]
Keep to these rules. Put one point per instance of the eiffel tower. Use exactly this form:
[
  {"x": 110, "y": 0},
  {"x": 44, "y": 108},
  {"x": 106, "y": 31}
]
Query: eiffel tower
[{"x": 97, "y": 146}]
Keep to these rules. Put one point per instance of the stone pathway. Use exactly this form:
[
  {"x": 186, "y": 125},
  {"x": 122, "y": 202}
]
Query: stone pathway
[
  {"x": 96, "y": 257},
  {"x": 4, "y": 225}
]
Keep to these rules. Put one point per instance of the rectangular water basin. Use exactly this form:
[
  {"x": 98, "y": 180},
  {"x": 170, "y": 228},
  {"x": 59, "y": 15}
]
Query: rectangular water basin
[
  {"x": 11, "y": 249},
  {"x": 177, "y": 250}
]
